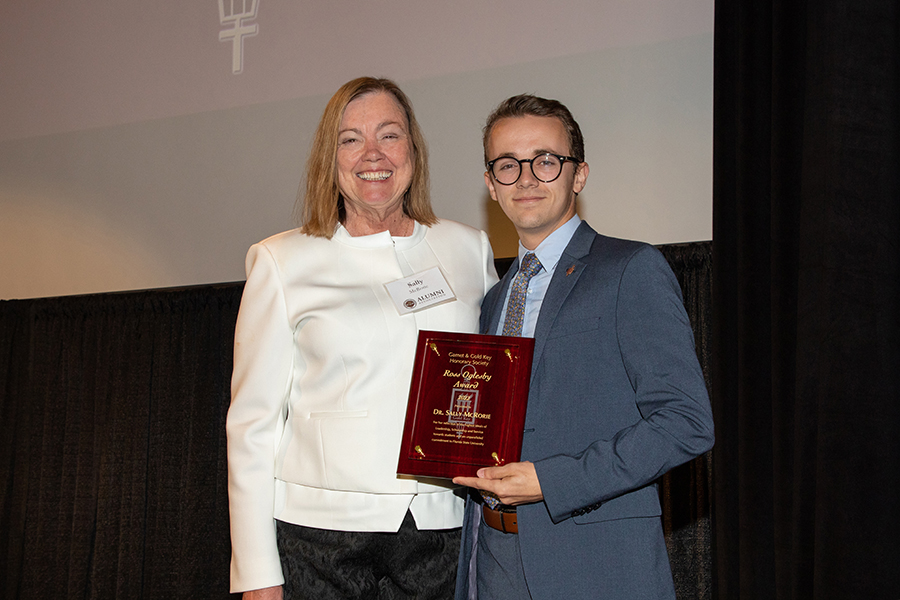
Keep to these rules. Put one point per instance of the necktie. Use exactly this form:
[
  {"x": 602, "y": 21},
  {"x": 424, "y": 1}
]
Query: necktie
[
  {"x": 515, "y": 309},
  {"x": 515, "y": 316}
]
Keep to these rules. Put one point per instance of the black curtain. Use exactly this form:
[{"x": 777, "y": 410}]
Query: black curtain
[
  {"x": 112, "y": 444},
  {"x": 112, "y": 441},
  {"x": 806, "y": 299},
  {"x": 686, "y": 491}
]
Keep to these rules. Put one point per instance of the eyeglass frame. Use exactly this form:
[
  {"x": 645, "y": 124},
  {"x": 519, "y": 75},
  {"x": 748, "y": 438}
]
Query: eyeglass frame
[{"x": 562, "y": 162}]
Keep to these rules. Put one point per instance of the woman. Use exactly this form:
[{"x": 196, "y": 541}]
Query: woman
[{"x": 322, "y": 365}]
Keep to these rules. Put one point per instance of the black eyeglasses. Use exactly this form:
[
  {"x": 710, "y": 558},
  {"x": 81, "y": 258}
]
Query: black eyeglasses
[{"x": 545, "y": 167}]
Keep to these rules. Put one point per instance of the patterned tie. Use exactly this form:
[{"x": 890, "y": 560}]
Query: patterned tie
[
  {"x": 515, "y": 316},
  {"x": 515, "y": 310}
]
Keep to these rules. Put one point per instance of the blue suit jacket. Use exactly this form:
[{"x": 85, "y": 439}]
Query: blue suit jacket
[{"x": 617, "y": 398}]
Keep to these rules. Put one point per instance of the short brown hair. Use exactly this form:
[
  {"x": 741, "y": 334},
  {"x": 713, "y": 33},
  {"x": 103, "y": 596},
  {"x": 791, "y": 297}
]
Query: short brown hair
[
  {"x": 528, "y": 105},
  {"x": 321, "y": 208}
]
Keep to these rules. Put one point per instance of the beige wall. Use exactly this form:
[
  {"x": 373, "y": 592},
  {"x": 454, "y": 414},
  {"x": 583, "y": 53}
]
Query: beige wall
[{"x": 131, "y": 156}]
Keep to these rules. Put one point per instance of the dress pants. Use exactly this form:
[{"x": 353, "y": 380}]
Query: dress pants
[{"x": 499, "y": 573}]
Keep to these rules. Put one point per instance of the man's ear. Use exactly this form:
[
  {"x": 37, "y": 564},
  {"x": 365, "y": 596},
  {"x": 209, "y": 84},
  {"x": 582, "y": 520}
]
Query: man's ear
[
  {"x": 581, "y": 175},
  {"x": 489, "y": 182}
]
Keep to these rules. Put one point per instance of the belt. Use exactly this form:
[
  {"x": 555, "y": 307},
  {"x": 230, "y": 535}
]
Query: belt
[{"x": 501, "y": 520}]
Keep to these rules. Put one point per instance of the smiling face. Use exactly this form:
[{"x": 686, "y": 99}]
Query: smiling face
[
  {"x": 374, "y": 156},
  {"x": 536, "y": 209}
]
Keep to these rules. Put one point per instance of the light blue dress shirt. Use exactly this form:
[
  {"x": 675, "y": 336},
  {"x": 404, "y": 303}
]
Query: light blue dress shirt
[{"x": 548, "y": 252}]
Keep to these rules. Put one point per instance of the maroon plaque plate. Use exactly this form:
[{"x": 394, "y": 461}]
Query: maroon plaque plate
[{"x": 467, "y": 403}]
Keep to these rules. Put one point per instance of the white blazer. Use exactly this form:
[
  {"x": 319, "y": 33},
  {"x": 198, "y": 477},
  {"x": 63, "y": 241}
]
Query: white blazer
[{"x": 322, "y": 366}]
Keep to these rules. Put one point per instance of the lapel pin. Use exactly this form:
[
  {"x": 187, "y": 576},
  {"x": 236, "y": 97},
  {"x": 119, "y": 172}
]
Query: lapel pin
[{"x": 570, "y": 270}]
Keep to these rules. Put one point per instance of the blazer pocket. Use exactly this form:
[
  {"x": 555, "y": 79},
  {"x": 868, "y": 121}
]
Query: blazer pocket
[
  {"x": 573, "y": 326},
  {"x": 339, "y": 414}
]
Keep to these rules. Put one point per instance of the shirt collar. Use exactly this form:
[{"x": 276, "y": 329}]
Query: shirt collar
[{"x": 550, "y": 250}]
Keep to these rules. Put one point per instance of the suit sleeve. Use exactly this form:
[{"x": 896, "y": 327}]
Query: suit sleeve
[
  {"x": 263, "y": 350},
  {"x": 656, "y": 346}
]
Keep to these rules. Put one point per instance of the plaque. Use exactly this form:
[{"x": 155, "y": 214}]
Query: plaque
[{"x": 466, "y": 405}]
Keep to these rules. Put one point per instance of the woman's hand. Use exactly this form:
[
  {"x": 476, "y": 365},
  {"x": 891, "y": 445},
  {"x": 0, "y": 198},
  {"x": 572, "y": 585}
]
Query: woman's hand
[{"x": 269, "y": 593}]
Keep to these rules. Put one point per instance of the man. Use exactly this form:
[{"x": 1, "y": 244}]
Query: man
[{"x": 617, "y": 397}]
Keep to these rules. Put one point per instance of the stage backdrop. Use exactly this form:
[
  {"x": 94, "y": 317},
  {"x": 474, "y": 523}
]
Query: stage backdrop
[
  {"x": 146, "y": 145},
  {"x": 113, "y": 481}
]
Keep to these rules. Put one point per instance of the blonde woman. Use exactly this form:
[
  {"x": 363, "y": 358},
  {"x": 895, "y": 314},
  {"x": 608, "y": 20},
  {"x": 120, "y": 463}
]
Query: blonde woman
[{"x": 322, "y": 366}]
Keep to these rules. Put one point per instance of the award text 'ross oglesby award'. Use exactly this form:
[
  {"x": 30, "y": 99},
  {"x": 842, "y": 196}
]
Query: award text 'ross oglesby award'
[{"x": 467, "y": 403}]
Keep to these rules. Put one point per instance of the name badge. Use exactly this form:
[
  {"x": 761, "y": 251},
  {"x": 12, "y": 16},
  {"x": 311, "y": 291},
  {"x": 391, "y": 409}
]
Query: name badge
[{"x": 420, "y": 291}]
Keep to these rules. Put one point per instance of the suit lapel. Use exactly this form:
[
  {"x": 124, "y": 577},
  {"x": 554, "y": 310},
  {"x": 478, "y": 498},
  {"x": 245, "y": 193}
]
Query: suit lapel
[
  {"x": 499, "y": 298},
  {"x": 566, "y": 275}
]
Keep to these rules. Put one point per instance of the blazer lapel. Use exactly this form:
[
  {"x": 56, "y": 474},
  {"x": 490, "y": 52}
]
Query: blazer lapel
[
  {"x": 499, "y": 297},
  {"x": 568, "y": 270}
]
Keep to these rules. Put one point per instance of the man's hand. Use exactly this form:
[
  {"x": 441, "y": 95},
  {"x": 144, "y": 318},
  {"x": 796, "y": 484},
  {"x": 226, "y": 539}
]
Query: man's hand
[
  {"x": 269, "y": 593},
  {"x": 513, "y": 484}
]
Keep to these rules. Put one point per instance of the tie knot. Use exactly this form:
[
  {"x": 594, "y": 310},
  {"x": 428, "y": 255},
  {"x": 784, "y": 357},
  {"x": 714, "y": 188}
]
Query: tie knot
[
  {"x": 515, "y": 308},
  {"x": 530, "y": 266}
]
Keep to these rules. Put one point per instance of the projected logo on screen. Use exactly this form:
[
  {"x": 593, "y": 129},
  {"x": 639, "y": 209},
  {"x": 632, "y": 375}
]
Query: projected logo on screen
[{"x": 235, "y": 13}]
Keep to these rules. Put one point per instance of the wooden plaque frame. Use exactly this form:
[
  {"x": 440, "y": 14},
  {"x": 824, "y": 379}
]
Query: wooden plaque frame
[{"x": 467, "y": 403}]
